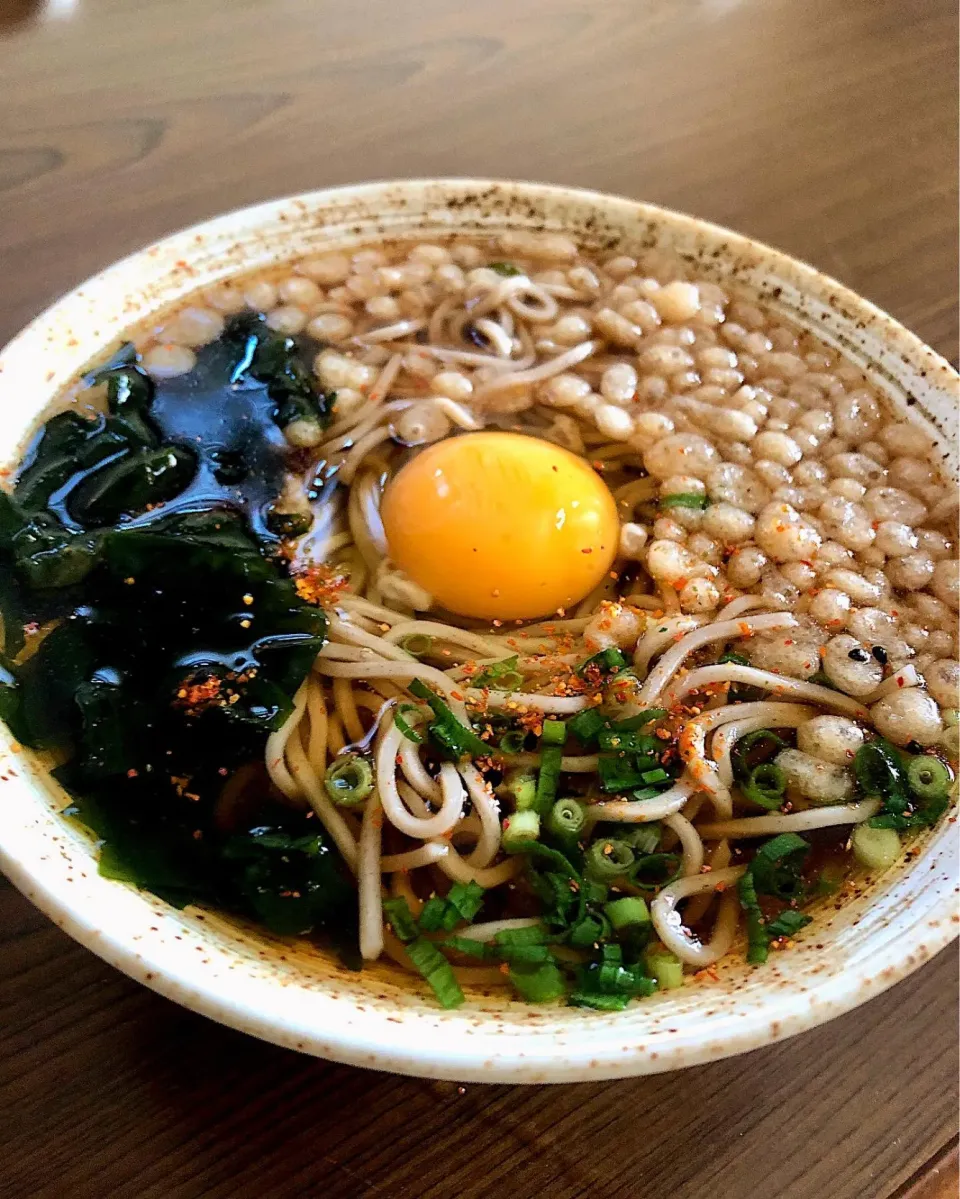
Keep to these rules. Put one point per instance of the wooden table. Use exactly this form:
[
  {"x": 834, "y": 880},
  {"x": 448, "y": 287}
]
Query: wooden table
[{"x": 825, "y": 128}]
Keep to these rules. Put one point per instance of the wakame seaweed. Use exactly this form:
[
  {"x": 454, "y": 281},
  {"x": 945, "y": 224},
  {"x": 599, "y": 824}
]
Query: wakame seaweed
[{"x": 136, "y": 547}]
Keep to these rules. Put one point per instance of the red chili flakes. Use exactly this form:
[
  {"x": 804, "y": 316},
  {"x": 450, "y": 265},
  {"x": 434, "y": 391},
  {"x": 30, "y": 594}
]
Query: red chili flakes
[
  {"x": 197, "y": 694},
  {"x": 319, "y": 585}
]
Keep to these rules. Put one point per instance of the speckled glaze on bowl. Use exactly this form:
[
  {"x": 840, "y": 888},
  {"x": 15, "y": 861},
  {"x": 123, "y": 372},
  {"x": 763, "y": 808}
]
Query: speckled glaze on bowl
[{"x": 295, "y": 995}]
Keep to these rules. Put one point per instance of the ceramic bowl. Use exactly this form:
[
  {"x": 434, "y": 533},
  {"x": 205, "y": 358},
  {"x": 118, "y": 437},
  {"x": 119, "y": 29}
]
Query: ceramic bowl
[{"x": 295, "y": 995}]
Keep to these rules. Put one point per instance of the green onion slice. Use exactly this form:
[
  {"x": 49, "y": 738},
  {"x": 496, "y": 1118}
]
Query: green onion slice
[
  {"x": 520, "y": 827},
  {"x": 627, "y": 914},
  {"x": 776, "y": 866},
  {"x": 928, "y": 778},
  {"x": 552, "y": 740},
  {"x": 400, "y": 919},
  {"x": 607, "y": 661},
  {"x": 417, "y": 644},
  {"x": 501, "y": 676},
  {"x": 878, "y": 768},
  {"x": 586, "y": 725},
  {"x": 608, "y": 858},
  {"x": 512, "y": 741},
  {"x": 446, "y": 730},
  {"x": 437, "y": 971},
  {"x": 684, "y": 499},
  {"x": 538, "y": 983},
  {"x": 348, "y": 780},
  {"x": 765, "y": 786},
  {"x": 565, "y": 822},
  {"x": 655, "y": 870},
  {"x": 399, "y": 720},
  {"x": 755, "y": 748},
  {"x": 758, "y": 942}
]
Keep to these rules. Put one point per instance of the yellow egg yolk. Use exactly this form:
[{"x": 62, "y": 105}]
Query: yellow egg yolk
[{"x": 500, "y": 526}]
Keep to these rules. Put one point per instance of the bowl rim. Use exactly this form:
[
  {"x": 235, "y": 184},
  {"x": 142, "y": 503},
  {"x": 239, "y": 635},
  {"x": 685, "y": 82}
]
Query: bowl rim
[{"x": 486, "y": 1056}]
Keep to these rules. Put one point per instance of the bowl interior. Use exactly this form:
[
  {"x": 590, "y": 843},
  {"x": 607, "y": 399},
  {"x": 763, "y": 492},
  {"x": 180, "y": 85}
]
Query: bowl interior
[{"x": 299, "y": 996}]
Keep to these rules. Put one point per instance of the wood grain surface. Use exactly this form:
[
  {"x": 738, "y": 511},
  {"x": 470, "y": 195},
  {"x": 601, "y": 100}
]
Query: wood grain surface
[{"x": 825, "y": 128}]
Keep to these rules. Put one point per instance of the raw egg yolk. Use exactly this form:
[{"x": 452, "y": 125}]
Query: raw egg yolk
[{"x": 500, "y": 526}]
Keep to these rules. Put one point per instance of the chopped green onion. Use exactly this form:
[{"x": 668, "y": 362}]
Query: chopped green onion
[
  {"x": 665, "y": 967},
  {"x": 522, "y": 784},
  {"x": 512, "y": 680},
  {"x": 502, "y": 676},
  {"x": 607, "y": 859},
  {"x": 437, "y": 971},
  {"x": 642, "y": 838},
  {"x": 592, "y": 929},
  {"x": 925, "y": 816},
  {"x": 433, "y": 914},
  {"x": 461, "y": 903},
  {"x": 754, "y": 749},
  {"x": 416, "y": 644},
  {"x": 507, "y": 269},
  {"x": 586, "y": 725},
  {"x": 765, "y": 786},
  {"x": 655, "y": 776},
  {"x": 565, "y": 821},
  {"x": 628, "y": 914},
  {"x": 400, "y": 918},
  {"x": 552, "y": 740},
  {"x": 632, "y": 723},
  {"x": 618, "y": 774},
  {"x": 736, "y": 659},
  {"x": 470, "y": 947},
  {"x": 928, "y": 778},
  {"x": 610, "y": 977},
  {"x": 554, "y": 733},
  {"x": 875, "y": 848},
  {"x": 602, "y": 1003},
  {"x": 950, "y": 737},
  {"x": 655, "y": 870},
  {"x": 758, "y": 943},
  {"x": 537, "y": 983},
  {"x": 520, "y": 827},
  {"x": 446, "y": 730},
  {"x": 878, "y": 768},
  {"x": 628, "y": 741},
  {"x": 607, "y": 661},
  {"x": 776, "y": 866},
  {"x": 526, "y": 945},
  {"x": 399, "y": 720},
  {"x": 788, "y": 923},
  {"x": 646, "y": 792},
  {"x": 512, "y": 742},
  {"x": 466, "y": 898},
  {"x": 594, "y": 891},
  {"x": 684, "y": 499},
  {"x": 349, "y": 780},
  {"x": 526, "y": 955},
  {"x": 533, "y": 934}
]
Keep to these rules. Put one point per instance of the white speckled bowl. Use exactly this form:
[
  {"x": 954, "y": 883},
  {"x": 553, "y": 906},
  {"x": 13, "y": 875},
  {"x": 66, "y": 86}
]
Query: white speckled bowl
[{"x": 295, "y": 995}]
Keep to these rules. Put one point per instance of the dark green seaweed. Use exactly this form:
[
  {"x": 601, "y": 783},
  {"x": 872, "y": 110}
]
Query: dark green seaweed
[{"x": 144, "y": 535}]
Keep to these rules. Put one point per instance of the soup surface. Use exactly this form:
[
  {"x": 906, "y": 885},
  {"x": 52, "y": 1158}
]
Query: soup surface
[{"x": 529, "y": 617}]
